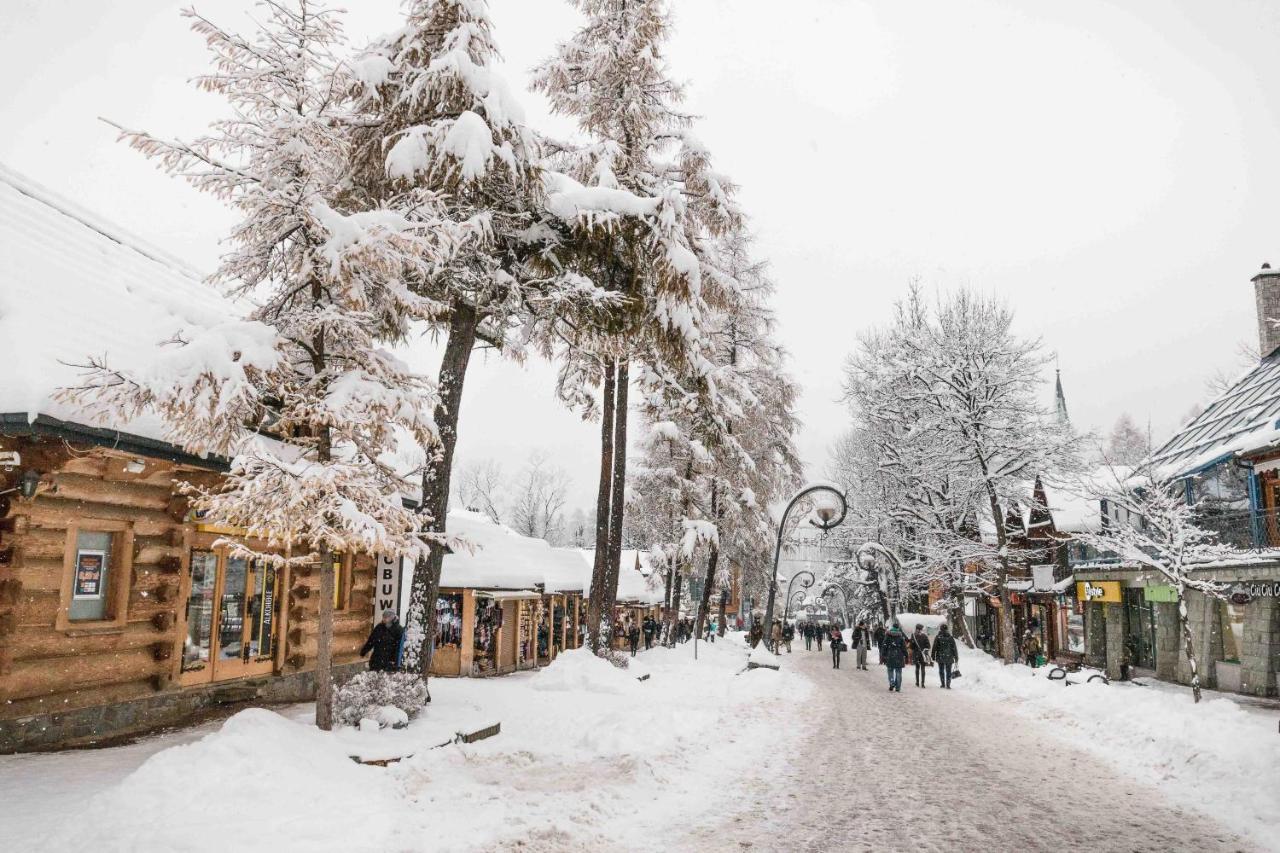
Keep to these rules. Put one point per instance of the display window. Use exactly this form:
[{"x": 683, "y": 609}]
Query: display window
[{"x": 231, "y": 617}]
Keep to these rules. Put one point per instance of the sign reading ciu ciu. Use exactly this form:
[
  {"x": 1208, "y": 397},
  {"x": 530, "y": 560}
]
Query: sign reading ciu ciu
[{"x": 386, "y": 590}]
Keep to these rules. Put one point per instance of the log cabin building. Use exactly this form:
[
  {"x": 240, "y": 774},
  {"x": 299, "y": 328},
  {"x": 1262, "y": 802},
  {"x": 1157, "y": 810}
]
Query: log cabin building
[{"x": 118, "y": 612}]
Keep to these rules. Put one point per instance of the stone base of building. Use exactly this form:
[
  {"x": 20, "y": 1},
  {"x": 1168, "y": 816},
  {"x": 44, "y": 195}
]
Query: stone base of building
[{"x": 169, "y": 708}]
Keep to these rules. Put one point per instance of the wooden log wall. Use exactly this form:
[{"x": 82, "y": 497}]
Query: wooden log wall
[{"x": 43, "y": 669}]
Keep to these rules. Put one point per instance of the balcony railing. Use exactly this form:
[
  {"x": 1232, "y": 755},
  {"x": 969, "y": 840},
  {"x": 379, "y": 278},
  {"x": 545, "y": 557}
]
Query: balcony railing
[{"x": 1248, "y": 530}]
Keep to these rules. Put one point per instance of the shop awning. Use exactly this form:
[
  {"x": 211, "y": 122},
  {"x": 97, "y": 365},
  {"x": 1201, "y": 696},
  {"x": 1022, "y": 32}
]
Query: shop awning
[{"x": 508, "y": 594}]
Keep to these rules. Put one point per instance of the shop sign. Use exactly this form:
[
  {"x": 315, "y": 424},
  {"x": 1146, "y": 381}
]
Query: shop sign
[
  {"x": 1107, "y": 592},
  {"x": 386, "y": 591},
  {"x": 1161, "y": 593},
  {"x": 88, "y": 582},
  {"x": 1243, "y": 593}
]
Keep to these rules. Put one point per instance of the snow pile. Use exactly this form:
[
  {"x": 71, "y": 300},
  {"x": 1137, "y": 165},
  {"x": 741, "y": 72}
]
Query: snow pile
[
  {"x": 582, "y": 745},
  {"x": 235, "y": 789},
  {"x": 1218, "y": 757},
  {"x": 931, "y": 622},
  {"x": 761, "y": 656},
  {"x": 579, "y": 670}
]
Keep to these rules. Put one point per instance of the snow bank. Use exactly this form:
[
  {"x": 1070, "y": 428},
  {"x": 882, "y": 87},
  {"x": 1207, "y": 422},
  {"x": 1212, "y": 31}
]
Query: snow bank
[
  {"x": 588, "y": 758},
  {"x": 1218, "y": 757},
  {"x": 579, "y": 670},
  {"x": 238, "y": 788}
]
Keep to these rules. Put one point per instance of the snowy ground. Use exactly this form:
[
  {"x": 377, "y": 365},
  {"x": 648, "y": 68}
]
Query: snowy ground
[
  {"x": 700, "y": 756},
  {"x": 1006, "y": 761},
  {"x": 589, "y": 758}
]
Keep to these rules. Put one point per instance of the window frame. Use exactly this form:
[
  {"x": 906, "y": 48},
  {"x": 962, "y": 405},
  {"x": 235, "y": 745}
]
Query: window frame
[
  {"x": 120, "y": 577},
  {"x": 342, "y": 581}
]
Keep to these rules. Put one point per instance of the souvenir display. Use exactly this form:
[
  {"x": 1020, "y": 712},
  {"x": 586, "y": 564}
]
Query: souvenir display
[{"x": 448, "y": 620}]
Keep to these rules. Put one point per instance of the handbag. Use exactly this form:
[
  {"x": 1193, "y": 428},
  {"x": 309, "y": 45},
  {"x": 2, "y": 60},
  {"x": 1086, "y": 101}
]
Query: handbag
[{"x": 955, "y": 673}]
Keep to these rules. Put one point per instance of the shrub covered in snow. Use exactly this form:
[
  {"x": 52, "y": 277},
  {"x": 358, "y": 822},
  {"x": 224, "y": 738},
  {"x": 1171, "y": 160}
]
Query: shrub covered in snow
[{"x": 369, "y": 692}]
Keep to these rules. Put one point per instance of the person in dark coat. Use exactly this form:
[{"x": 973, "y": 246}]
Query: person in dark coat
[
  {"x": 384, "y": 642},
  {"x": 788, "y": 634},
  {"x": 877, "y": 637},
  {"x": 650, "y": 628},
  {"x": 945, "y": 654},
  {"x": 818, "y": 633},
  {"x": 893, "y": 654},
  {"x": 920, "y": 653},
  {"x": 633, "y": 636},
  {"x": 756, "y": 634},
  {"x": 836, "y": 640},
  {"x": 807, "y": 630},
  {"x": 861, "y": 641}
]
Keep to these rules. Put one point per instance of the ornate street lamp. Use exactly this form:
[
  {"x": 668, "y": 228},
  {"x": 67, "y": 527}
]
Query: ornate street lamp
[
  {"x": 844, "y": 601},
  {"x": 867, "y": 554},
  {"x": 804, "y": 585},
  {"x": 830, "y": 508}
]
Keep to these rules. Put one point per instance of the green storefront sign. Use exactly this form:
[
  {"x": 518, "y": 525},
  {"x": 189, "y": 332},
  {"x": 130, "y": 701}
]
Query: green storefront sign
[{"x": 1161, "y": 593}]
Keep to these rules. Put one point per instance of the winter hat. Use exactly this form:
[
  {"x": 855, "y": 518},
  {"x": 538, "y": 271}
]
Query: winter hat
[
  {"x": 389, "y": 612},
  {"x": 942, "y": 629},
  {"x": 919, "y": 627}
]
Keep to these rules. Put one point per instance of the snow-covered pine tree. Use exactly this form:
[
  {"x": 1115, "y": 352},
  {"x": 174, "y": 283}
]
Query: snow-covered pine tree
[
  {"x": 629, "y": 217},
  {"x": 1162, "y": 535},
  {"x": 300, "y": 396},
  {"x": 448, "y": 135}
]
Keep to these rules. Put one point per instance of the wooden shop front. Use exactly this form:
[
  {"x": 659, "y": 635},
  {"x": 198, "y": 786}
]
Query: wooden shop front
[
  {"x": 119, "y": 613},
  {"x": 482, "y": 632}
]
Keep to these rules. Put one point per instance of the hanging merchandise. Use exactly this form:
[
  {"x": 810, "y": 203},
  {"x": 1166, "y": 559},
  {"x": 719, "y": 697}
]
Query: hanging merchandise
[
  {"x": 488, "y": 624},
  {"x": 448, "y": 621}
]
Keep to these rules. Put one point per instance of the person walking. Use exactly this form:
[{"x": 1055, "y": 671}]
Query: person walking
[
  {"x": 711, "y": 630},
  {"x": 945, "y": 654},
  {"x": 775, "y": 636},
  {"x": 384, "y": 642},
  {"x": 650, "y": 628},
  {"x": 633, "y": 636},
  {"x": 807, "y": 630},
  {"x": 1031, "y": 649},
  {"x": 893, "y": 654},
  {"x": 788, "y": 634},
  {"x": 877, "y": 637},
  {"x": 920, "y": 653},
  {"x": 818, "y": 632},
  {"x": 836, "y": 640},
  {"x": 756, "y": 634},
  {"x": 861, "y": 640}
]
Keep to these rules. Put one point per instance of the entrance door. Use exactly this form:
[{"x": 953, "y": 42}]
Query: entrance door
[
  {"x": 231, "y": 618},
  {"x": 1140, "y": 629}
]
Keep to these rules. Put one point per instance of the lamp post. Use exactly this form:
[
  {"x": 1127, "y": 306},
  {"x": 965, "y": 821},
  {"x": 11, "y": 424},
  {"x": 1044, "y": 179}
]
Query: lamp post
[
  {"x": 830, "y": 507},
  {"x": 803, "y": 586},
  {"x": 844, "y": 601},
  {"x": 867, "y": 554}
]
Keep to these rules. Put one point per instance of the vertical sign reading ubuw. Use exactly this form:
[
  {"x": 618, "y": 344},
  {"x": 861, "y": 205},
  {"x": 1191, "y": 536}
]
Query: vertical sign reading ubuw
[{"x": 386, "y": 590}]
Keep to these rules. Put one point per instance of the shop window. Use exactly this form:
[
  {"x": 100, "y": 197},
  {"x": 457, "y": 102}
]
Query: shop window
[
  {"x": 95, "y": 586},
  {"x": 1231, "y": 618},
  {"x": 199, "y": 640}
]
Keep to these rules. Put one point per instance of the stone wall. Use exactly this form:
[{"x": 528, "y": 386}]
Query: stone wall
[
  {"x": 83, "y": 726},
  {"x": 1260, "y": 652}
]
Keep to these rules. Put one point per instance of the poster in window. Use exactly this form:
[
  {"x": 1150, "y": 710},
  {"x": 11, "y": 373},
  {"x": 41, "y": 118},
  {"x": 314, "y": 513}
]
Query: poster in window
[{"x": 89, "y": 565}]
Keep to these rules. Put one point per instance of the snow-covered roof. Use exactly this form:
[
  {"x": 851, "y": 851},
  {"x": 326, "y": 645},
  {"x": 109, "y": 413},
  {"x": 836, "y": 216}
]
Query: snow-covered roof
[
  {"x": 503, "y": 559},
  {"x": 1245, "y": 418},
  {"x": 72, "y": 286},
  {"x": 633, "y": 585}
]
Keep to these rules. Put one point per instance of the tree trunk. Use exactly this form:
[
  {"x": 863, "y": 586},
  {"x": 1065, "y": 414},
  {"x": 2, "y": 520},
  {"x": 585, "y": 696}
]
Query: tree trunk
[
  {"x": 425, "y": 588},
  {"x": 666, "y": 600},
  {"x": 724, "y": 594},
  {"x": 1002, "y": 574},
  {"x": 703, "y": 606},
  {"x": 1189, "y": 641},
  {"x": 595, "y": 603},
  {"x": 618, "y": 497},
  {"x": 674, "y": 617},
  {"x": 324, "y": 645}
]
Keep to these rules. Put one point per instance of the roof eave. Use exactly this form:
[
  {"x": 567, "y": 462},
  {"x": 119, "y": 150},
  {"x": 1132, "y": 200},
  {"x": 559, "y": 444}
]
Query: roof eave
[{"x": 21, "y": 423}]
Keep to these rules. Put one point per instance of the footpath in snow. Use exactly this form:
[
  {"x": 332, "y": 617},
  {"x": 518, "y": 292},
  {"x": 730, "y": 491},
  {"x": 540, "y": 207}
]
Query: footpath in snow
[{"x": 589, "y": 758}]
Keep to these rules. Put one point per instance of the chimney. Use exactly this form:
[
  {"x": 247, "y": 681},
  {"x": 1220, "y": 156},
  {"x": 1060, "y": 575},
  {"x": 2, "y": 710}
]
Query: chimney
[{"x": 1266, "y": 287}]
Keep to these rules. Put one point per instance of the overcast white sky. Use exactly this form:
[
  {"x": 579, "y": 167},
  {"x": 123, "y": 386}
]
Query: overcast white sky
[{"x": 1111, "y": 169}]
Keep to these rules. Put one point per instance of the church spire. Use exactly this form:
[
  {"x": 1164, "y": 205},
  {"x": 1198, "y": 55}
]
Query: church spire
[{"x": 1060, "y": 401}]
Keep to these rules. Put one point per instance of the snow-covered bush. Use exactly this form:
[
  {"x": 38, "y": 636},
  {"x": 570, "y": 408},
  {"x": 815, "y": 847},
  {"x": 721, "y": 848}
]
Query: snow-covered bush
[{"x": 365, "y": 694}]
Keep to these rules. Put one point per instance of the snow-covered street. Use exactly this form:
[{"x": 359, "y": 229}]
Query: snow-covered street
[
  {"x": 938, "y": 770},
  {"x": 700, "y": 754}
]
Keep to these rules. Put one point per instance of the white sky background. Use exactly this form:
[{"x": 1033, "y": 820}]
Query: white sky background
[{"x": 1111, "y": 169}]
